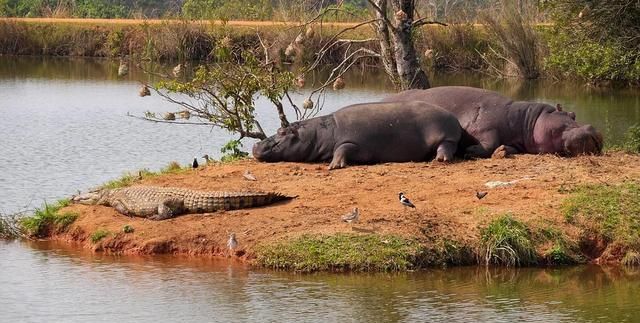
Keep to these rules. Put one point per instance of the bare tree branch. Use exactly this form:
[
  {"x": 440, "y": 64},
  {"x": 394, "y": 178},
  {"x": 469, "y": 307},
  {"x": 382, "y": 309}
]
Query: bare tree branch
[{"x": 424, "y": 21}]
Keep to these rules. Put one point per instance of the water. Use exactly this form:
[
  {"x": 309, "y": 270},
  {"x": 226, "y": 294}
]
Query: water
[
  {"x": 48, "y": 282},
  {"x": 64, "y": 128}
]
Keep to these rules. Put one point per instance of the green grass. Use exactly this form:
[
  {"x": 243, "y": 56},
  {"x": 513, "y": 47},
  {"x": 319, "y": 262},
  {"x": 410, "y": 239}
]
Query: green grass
[
  {"x": 46, "y": 220},
  {"x": 99, "y": 235},
  {"x": 562, "y": 251},
  {"x": 127, "y": 229},
  {"x": 609, "y": 212},
  {"x": 507, "y": 241},
  {"x": 342, "y": 252},
  {"x": 128, "y": 179},
  {"x": 631, "y": 143}
]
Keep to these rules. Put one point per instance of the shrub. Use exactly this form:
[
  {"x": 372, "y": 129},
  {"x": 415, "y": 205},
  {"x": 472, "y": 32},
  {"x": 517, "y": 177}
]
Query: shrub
[
  {"x": 99, "y": 235},
  {"x": 46, "y": 220},
  {"x": 631, "y": 142},
  {"x": 507, "y": 241}
]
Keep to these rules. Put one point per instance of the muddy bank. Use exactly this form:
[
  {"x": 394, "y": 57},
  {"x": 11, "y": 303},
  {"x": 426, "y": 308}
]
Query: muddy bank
[{"x": 447, "y": 209}]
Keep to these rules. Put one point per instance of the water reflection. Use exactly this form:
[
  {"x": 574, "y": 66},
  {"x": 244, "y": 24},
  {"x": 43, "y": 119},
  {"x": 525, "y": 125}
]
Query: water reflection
[{"x": 54, "y": 282}]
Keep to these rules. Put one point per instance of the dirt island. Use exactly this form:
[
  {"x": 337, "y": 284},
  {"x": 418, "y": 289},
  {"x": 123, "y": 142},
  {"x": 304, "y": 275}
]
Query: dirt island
[{"x": 536, "y": 192}]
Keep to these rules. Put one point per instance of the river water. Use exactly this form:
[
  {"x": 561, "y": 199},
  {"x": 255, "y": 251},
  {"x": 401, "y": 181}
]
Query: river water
[{"x": 63, "y": 128}]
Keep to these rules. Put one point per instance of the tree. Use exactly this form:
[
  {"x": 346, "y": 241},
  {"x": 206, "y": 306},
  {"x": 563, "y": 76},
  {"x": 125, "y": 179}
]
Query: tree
[
  {"x": 394, "y": 25},
  {"x": 223, "y": 94}
]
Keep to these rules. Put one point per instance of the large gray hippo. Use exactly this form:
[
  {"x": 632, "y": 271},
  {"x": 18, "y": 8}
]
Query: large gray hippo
[
  {"x": 366, "y": 134},
  {"x": 490, "y": 120}
]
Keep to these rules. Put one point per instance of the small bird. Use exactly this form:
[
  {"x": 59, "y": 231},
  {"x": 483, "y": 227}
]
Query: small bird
[
  {"x": 351, "y": 216},
  {"x": 248, "y": 176},
  {"x": 195, "y": 162},
  {"x": 405, "y": 201},
  {"x": 207, "y": 159},
  {"x": 480, "y": 195},
  {"x": 232, "y": 243}
]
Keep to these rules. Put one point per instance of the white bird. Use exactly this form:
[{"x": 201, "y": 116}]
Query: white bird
[
  {"x": 405, "y": 201},
  {"x": 351, "y": 216},
  {"x": 232, "y": 243},
  {"x": 248, "y": 176}
]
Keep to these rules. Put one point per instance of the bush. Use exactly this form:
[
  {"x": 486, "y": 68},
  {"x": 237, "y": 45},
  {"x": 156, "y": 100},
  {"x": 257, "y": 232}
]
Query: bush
[
  {"x": 507, "y": 241},
  {"x": 99, "y": 235},
  {"x": 231, "y": 151},
  {"x": 631, "y": 142},
  {"x": 46, "y": 220}
]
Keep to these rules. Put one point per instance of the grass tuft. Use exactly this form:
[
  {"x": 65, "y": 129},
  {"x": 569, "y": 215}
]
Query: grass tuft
[
  {"x": 607, "y": 211},
  {"x": 507, "y": 241},
  {"x": 99, "y": 235},
  {"x": 341, "y": 252},
  {"x": 46, "y": 220},
  {"x": 631, "y": 258},
  {"x": 128, "y": 179},
  {"x": 127, "y": 229}
]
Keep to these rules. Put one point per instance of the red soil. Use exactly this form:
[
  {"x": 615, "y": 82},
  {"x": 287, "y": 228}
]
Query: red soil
[{"x": 444, "y": 195}]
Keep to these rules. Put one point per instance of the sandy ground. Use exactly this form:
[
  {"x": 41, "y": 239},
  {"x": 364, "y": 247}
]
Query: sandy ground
[{"x": 444, "y": 194}]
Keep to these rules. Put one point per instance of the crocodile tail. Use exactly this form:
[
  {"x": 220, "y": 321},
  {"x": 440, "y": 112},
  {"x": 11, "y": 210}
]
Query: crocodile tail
[{"x": 258, "y": 199}]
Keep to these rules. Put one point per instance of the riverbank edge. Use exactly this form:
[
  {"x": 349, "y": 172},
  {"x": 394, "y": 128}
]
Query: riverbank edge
[{"x": 503, "y": 241}]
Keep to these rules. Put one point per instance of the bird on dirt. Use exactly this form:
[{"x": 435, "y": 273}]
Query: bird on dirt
[
  {"x": 351, "y": 216},
  {"x": 207, "y": 159},
  {"x": 248, "y": 176},
  {"x": 481, "y": 195},
  {"x": 405, "y": 201},
  {"x": 195, "y": 163},
  {"x": 232, "y": 243}
]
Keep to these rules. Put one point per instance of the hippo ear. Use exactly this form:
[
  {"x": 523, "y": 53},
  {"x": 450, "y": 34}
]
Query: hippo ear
[
  {"x": 572, "y": 115},
  {"x": 294, "y": 131},
  {"x": 282, "y": 131}
]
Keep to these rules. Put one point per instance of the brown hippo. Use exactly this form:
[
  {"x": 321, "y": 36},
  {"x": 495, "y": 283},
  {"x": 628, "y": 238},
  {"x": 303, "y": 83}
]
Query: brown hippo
[
  {"x": 366, "y": 134},
  {"x": 490, "y": 120}
]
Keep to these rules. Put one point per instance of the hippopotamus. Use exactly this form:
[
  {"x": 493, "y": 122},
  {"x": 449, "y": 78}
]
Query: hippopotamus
[
  {"x": 366, "y": 134},
  {"x": 490, "y": 120}
]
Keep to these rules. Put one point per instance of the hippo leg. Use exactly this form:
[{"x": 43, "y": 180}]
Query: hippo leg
[
  {"x": 445, "y": 151},
  {"x": 341, "y": 154},
  {"x": 488, "y": 143}
]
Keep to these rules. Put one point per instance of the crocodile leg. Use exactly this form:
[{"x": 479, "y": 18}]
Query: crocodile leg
[{"x": 169, "y": 208}]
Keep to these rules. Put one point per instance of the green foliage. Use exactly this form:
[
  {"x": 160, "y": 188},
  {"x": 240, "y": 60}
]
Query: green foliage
[
  {"x": 128, "y": 179},
  {"x": 226, "y": 92},
  {"x": 595, "y": 40},
  {"x": 631, "y": 142},
  {"x": 46, "y": 220},
  {"x": 231, "y": 151},
  {"x": 573, "y": 55},
  {"x": 99, "y": 235},
  {"x": 64, "y": 220},
  {"x": 607, "y": 211},
  {"x": 127, "y": 229},
  {"x": 341, "y": 252},
  {"x": 228, "y": 10},
  {"x": 507, "y": 241}
]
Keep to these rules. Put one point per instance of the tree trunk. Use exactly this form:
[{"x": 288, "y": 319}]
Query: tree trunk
[{"x": 396, "y": 44}]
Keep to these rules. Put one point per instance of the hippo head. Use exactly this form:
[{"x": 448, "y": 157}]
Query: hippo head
[
  {"x": 291, "y": 143},
  {"x": 558, "y": 132},
  {"x": 584, "y": 140}
]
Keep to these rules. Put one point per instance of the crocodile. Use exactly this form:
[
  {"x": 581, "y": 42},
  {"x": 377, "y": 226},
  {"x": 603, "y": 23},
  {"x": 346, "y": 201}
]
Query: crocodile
[{"x": 160, "y": 203}]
